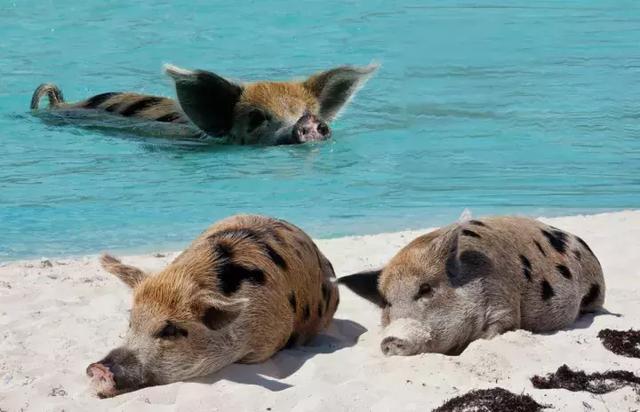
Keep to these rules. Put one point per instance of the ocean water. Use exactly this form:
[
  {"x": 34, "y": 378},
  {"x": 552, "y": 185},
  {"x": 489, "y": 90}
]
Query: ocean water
[{"x": 500, "y": 107}]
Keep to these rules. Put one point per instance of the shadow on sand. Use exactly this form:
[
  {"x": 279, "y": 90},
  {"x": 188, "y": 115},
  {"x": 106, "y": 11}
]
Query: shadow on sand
[
  {"x": 341, "y": 334},
  {"x": 584, "y": 321}
]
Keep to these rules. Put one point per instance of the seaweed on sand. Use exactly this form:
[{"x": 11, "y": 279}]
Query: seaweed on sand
[
  {"x": 621, "y": 342},
  {"x": 490, "y": 400},
  {"x": 598, "y": 383}
]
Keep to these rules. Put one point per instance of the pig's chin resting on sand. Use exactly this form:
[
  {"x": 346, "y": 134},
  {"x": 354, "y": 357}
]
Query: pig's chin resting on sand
[{"x": 246, "y": 288}]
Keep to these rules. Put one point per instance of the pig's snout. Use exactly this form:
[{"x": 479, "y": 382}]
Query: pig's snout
[
  {"x": 118, "y": 372},
  {"x": 395, "y": 346},
  {"x": 405, "y": 337},
  {"x": 102, "y": 380},
  {"x": 310, "y": 128}
]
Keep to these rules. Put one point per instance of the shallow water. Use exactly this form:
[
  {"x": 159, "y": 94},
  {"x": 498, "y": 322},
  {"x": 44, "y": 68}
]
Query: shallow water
[{"x": 530, "y": 108}]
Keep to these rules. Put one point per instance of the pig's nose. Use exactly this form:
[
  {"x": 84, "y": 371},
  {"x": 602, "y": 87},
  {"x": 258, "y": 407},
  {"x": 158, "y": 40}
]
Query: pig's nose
[
  {"x": 395, "y": 346},
  {"x": 102, "y": 380},
  {"x": 309, "y": 128}
]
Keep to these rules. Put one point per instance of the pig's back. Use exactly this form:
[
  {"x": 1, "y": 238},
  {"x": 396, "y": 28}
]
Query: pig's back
[
  {"x": 551, "y": 274},
  {"x": 286, "y": 280}
]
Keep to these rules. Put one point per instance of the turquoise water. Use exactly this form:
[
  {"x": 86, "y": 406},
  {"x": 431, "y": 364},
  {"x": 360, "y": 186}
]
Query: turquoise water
[{"x": 528, "y": 108}]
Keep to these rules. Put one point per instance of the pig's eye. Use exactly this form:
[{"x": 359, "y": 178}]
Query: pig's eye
[
  {"x": 171, "y": 331},
  {"x": 256, "y": 119},
  {"x": 424, "y": 291}
]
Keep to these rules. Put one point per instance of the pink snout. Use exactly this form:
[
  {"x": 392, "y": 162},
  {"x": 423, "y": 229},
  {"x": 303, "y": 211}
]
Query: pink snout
[
  {"x": 102, "y": 380},
  {"x": 405, "y": 337},
  {"x": 393, "y": 346},
  {"x": 310, "y": 128}
]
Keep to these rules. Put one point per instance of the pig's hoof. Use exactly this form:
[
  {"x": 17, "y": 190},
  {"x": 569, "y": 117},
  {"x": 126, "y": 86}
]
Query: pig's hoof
[
  {"x": 102, "y": 380},
  {"x": 395, "y": 346}
]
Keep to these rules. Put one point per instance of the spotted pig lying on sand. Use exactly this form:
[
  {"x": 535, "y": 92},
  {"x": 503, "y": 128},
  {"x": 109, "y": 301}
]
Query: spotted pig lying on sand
[
  {"x": 244, "y": 289},
  {"x": 478, "y": 279}
]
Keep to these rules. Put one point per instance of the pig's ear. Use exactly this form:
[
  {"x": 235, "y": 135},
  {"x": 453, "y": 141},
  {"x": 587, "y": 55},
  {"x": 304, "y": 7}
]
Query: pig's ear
[
  {"x": 130, "y": 275},
  {"x": 218, "y": 313},
  {"x": 334, "y": 88},
  {"x": 365, "y": 284},
  {"x": 206, "y": 98}
]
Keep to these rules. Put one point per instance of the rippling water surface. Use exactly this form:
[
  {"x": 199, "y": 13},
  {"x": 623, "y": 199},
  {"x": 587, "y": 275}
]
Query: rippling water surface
[{"x": 523, "y": 107}]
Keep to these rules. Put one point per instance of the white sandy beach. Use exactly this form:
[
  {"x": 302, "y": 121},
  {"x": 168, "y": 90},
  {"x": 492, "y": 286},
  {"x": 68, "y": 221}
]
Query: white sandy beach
[{"x": 56, "y": 319}]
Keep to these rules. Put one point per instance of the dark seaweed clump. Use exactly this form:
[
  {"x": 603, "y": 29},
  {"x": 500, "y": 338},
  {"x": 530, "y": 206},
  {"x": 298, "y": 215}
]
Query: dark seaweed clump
[
  {"x": 621, "y": 342},
  {"x": 490, "y": 400},
  {"x": 574, "y": 381}
]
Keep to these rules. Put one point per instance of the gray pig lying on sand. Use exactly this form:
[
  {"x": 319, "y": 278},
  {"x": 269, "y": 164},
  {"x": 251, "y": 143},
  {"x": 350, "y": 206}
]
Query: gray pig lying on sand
[
  {"x": 480, "y": 278},
  {"x": 244, "y": 289}
]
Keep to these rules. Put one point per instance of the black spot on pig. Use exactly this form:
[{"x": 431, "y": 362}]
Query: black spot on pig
[
  {"x": 477, "y": 223},
  {"x": 325, "y": 291},
  {"x": 557, "y": 239},
  {"x": 275, "y": 256},
  {"x": 141, "y": 105},
  {"x": 591, "y": 296},
  {"x": 319, "y": 311},
  {"x": 169, "y": 117},
  {"x": 292, "y": 301},
  {"x": 564, "y": 271},
  {"x": 539, "y": 246},
  {"x": 547, "y": 290},
  {"x": 224, "y": 252},
  {"x": 526, "y": 267},
  {"x": 97, "y": 100},
  {"x": 578, "y": 255},
  {"x": 306, "y": 312},
  {"x": 575, "y": 381},
  {"x": 584, "y": 244},
  {"x": 252, "y": 236},
  {"x": 470, "y": 233},
  {"x": 231, "y": 276},
  {"x": 112, "y": 107},
  {"x": 326, "y": 295}
]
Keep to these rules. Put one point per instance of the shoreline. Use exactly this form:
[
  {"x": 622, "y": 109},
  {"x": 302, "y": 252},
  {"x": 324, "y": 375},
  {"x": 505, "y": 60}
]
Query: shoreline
[
  {"x": 56, "y": 318},
  {"x": 142, "y": 251}
]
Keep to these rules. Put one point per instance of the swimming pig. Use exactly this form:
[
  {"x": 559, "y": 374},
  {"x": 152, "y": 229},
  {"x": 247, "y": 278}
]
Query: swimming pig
[
  {"x": 254, "y": 113},
  {"x": 478, "y": 279},
  {"x": 244, "y": 289}
]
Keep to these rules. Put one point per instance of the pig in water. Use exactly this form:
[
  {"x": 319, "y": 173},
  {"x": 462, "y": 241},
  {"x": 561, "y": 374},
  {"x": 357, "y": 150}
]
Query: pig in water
[
  {"x": 244, "y": 289},
  {"x": 478, "y": 279}
]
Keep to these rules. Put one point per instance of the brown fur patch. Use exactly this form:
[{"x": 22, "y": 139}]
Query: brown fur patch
[
  {"x": 281, "y": 99},
  {"x": 262, "y": 244}
]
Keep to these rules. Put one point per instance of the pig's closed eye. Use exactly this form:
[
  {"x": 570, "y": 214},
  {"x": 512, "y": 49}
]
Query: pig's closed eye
[
  {"x": 256, "y": 119},
  {"x": 424, "y": 291},
  {"x": 171, "y": 331}
]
